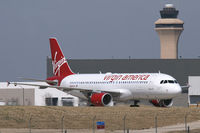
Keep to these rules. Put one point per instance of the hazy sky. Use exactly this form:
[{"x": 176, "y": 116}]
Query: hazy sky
[{"x": 87, "y": 29}]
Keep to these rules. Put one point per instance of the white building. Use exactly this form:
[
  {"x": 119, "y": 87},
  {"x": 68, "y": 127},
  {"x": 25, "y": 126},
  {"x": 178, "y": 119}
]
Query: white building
[
  {"x": 31, "y": 95},
  {"x": 194, "y": 91}
]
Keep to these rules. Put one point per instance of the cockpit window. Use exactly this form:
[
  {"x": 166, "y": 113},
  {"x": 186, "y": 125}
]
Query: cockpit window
[{"x": 168, "y": 81}]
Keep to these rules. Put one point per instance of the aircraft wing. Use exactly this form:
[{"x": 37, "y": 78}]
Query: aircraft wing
[
  {"x": 47, "y": 81},
  {"x": 66, "y": 89},
  {"x": 187, "y": 86}
]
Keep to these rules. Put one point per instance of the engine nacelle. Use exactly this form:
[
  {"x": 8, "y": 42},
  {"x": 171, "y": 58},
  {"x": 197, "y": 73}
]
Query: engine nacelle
[
  {"x": 101, "y": 99},
  {"x": 162, "y": 103}
]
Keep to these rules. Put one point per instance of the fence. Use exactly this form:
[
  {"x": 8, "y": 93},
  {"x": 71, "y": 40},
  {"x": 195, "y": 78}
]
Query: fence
[{"x": 114, "y": 122}]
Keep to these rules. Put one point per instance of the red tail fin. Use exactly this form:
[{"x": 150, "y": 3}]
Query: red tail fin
[{"x": 60, "y": 65}]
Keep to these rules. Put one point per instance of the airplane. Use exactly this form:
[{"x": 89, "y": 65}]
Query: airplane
[{"x": 106, "y": 89}]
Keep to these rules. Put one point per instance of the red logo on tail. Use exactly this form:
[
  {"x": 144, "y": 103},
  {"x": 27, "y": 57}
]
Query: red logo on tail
[{"x": 60, "y": 65}]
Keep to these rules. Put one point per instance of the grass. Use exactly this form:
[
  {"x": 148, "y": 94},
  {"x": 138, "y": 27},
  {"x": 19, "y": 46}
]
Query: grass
[{"x": 50, "y": 117}]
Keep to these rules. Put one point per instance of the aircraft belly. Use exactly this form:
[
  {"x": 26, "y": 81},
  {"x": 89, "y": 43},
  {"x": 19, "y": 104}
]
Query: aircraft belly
[{"x": 78, "y": 94}]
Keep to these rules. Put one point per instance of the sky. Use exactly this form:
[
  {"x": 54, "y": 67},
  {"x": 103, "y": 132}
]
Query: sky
[{"x": 87, "y": 29}]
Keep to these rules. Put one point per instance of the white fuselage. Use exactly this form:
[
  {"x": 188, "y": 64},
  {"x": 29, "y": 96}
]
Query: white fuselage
[{"x": 130, "y": 85}]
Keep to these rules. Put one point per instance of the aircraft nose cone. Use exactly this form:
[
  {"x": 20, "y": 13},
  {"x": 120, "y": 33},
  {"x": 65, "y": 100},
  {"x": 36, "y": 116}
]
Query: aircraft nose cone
[
  {"x": 174, "y": 90},
  {"x": 177, "y": 89}
]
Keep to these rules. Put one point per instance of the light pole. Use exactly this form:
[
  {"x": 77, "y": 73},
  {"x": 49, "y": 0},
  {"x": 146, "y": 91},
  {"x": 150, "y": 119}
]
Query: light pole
[
  {"x": 125, "y": 123},
  {"x": 22, "y": 93}
]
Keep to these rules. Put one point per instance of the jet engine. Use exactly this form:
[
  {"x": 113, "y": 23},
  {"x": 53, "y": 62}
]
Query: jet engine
[
  {"x": 162, "y": 103},
  {"x": 101, "y": 99}
]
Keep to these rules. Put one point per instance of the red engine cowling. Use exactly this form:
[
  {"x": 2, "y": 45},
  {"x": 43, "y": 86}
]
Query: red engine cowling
[
  {"x": 162, "y": 103},
  {"x": 101, "y": 99}
]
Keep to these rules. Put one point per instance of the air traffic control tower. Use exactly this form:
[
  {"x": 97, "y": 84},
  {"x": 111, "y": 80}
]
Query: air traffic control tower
[{"x": 169, "y": 28}]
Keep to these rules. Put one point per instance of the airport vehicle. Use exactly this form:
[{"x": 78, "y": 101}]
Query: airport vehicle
[{"x": 105, "y": 89}]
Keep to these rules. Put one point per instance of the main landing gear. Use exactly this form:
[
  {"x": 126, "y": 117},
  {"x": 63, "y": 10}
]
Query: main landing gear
[{"x": 135, "y": 104}]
